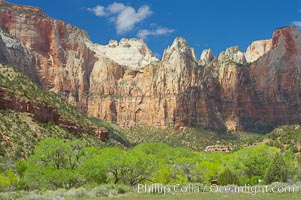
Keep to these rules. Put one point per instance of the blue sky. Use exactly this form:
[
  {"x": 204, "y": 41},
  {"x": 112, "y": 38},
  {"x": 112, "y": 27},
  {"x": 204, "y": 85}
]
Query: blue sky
[{"x": 215, "y": 24}]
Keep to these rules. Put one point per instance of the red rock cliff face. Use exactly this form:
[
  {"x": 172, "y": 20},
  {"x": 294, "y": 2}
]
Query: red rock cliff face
[
  {"x": 227, "y": 92},
  {"x": 276, "y": 79},
  {"x": 57, "y": 57}
]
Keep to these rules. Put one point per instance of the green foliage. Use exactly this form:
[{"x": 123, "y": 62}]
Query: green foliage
[
  {"x": 138, "y": 167},
  {"x": 65, "y": 164},
  {"x": 53, "y": 152},
  {"x": 164, "y": 174},
  {"x": 277, "y": 172},
  {"x": 251, "y": 163},
  {"x": 190, "y": 137},
  {"x": 158, "y": 149},
  {"x": 8, "y": 180},
  {"x": 285, "y": 138},
  {"x": 93, "y": 171},
  {"x": 227, "y": 177},
  {"x": 55, "y": 164},
  {"x": 58, "y": 163},
  {"x": 21, "y": 167},
  {"x": 207, "y": 171},
  {"x": 292, "y": 164},
  {"x": 186, "y": 167},
  {"x": 113, "y": 159},
  {"x": 176, "y": 165}
]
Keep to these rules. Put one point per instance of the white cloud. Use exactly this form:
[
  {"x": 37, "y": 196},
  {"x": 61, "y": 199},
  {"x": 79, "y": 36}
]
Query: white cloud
[
  {"x": 116, "y": 7},
  {"x": 98, "y": 11},
  {"x": 128, "y": 18},
  {"x": 159, "y": 31},
  {"x": 124, "y": 17},
  {"x": 296, "y": 23}
]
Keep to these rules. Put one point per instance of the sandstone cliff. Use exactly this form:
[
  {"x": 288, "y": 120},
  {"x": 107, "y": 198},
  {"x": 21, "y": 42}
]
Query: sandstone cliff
[{"x": 123, "y": 82}]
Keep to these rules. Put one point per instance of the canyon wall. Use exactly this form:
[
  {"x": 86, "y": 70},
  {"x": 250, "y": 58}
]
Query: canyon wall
[{"x": 123, "y": 82}]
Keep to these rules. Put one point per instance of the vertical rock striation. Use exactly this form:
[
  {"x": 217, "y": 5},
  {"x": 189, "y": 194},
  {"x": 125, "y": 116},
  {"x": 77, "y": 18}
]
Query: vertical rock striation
[{"x": 123, "y": 82}]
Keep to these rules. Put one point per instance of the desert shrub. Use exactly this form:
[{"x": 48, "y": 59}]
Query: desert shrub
[
  {"x": 11, "y": 195},
  {"x": 76, "y": 192},
  {"x": 108, "y": 190},
  {"x": 227, "y": 178},
  {"x": 122, "y": 189},
  {"x": 35, "y": 196},
  {"x": 100, "y": 191}
]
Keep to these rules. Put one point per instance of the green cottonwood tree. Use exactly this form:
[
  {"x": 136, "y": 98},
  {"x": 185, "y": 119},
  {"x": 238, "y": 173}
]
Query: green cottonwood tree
[
  {"x": 277, "y": 172},
  {"x": 93, "y": 170},
  {"x": 54, "y": 164},
  {"x": 113, "y": 159},
  {"x": 138, "y": 167}
]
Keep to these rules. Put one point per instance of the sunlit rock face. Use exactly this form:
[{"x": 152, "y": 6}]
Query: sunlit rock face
[
  {"x": 232, "y": 54},
  {"x": 206, "y": 57},
  {"x": 132, "y": 53},
  {"x": 123, "y": 82},
  {"x": 258, "y": 49}
]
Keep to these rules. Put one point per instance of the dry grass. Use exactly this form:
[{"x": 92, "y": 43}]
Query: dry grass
[{"x": 204, "y": 196}]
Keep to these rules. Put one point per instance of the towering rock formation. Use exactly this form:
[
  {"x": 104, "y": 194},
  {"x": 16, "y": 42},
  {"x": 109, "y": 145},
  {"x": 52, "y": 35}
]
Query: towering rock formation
[
  {"x": 257, "y": 49},
  {"x": 123, "y": 82},
  {"x": 276, "y": 79},
  {"x": 233, "y": 54},
  {"x": 58, "y": 58},
  {"x": 206, "y": 57}
]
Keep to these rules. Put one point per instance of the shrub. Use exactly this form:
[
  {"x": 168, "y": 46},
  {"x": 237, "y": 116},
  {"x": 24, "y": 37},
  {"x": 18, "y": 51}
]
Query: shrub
[
  {"x": 100, "y": 191},
  {"x": 122, "y": 189},
  {"x": 76, "y": 193},
  {"x": 277, "y": 172},
  {"x": 227, "y": 178}
]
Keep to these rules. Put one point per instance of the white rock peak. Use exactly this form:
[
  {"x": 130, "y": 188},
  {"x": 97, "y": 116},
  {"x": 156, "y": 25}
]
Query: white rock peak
[
  {"x": 258, "y": 49},
  {"x": 232, "y": 54},
  {"x": 180, "y": 46},
  {"x": 132, "y": 53},
  {"x": 206, "y": 56},
  {"x": 179, "y": 43}
]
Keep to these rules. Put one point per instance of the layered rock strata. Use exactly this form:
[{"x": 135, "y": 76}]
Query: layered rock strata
[{"x": 123, "y": 82}]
